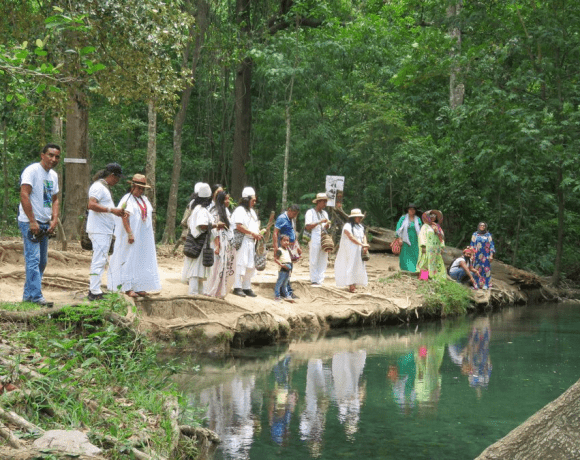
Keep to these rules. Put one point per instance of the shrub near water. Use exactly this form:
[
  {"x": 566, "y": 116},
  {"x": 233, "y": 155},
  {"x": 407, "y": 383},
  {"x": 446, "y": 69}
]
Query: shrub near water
[{"x": 445, "y": 298}]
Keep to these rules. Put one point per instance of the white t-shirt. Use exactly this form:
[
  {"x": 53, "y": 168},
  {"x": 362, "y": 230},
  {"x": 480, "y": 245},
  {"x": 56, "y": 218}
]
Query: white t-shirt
[
  {"x": 44, "y": 186},
  {"x": 101, "y": 222},
  {"x": 313, "y": 216}
]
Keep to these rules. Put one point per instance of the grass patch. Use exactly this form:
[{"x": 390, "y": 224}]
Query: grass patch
[
  {"x": 94, "y": 374},
  {"x": 444, "y": 298},
  {"x": 20, "y": 306}
]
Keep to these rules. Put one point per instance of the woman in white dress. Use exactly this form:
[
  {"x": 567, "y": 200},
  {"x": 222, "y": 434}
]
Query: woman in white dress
[
  {"x": 133, "y": 265},
  {"x": 246, "y": 221},
  {"x": 349, "y": 268},
  {"x": 221, "y": 278},
  {"x": 194, "y": 273}
]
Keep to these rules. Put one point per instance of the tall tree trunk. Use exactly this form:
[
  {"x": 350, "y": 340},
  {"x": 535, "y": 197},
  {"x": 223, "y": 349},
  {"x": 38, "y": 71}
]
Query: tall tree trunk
[
  {"x": 77, "y": 172},
  {"x": 5, "y": 200},
  {"x": 560, "y": 242},
  {"x": 518, "y": 226},
  {"x": 287, "y": 148},
  {"x": 201, "y": 24},
  {"x": 152, "y": 158},
  {"x": 243, "y": 106},
  {"x": 456, "y": 89}
]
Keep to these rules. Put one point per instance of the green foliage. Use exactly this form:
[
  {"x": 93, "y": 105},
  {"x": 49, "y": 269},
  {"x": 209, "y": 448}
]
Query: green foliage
[
  {"x": 442, "y": 298},
  {"x": 370, "y": 101}
]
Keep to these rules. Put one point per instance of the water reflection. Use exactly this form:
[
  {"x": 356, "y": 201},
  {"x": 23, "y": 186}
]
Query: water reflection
[
  {"x": 318, "y": 397},
  {"x": 282, "y": 403},
  {"x": 473, "y": 357},
  {"x": 230, "y": 415},
  {"x": 313, "y": 418}
]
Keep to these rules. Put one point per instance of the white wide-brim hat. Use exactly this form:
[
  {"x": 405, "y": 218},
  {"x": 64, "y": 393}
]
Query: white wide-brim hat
[
  {"x": 204, "y": 190},
  {"x": 248, "y": 192},
  {"x": 356, "y": 213}
]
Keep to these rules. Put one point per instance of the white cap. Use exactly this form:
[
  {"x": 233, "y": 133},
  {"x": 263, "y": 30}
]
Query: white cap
[
  {"x": 204, "y": 190},
  {"x": 248, "y": 192},
  {"x": 197, "y": 186}
]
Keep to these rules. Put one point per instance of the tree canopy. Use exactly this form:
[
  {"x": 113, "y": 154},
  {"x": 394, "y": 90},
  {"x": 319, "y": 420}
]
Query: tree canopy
[{"x": 468, "y": 107}]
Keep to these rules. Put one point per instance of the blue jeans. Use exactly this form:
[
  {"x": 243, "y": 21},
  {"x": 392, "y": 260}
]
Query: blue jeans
[
  {"x": 35, "y": 258},
  {"x": 283, "y": 282}
]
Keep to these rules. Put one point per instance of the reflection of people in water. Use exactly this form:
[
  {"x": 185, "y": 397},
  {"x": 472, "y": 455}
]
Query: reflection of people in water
[
  {"x": 313, "y": 418},
  {"x": 428, "y": 378},
  {"x": 230, "y": 415},
  {"x": 403, "y": 377},
  {"x": 474, "y": 358},
  {"x": 349, "y": 392},
  {"x": 282, "y": 403}
]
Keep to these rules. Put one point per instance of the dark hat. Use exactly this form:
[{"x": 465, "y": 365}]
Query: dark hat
[
  {"x": 114, "y": 168},
  {"x": 412, "y": 205}
]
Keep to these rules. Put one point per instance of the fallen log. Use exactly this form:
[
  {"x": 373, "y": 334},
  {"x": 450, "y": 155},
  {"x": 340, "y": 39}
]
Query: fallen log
[{"x": 552, "y": 433}]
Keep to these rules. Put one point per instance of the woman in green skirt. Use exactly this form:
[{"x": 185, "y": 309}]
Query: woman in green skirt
[{"x": 408, "y": 230}]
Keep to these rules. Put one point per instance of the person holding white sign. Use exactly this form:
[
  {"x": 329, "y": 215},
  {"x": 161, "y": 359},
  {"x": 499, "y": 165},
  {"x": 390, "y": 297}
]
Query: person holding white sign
[{"x": 316, "y": 220}]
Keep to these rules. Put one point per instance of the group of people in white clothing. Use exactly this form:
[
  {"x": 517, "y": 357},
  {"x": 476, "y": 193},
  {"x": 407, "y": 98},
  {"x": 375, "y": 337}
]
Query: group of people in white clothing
[
  {"x": 133, "y": 265},
  {"x": 126, "y": 230},
  {"x": 210, "y": 215}
]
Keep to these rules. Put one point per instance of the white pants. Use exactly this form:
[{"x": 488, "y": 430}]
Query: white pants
[
  {"x": 318, "y": 263},
  {"x": 195, "y": 285},
  {"x": 243, "y": 280},
  {"x": 101, "y": 244}
]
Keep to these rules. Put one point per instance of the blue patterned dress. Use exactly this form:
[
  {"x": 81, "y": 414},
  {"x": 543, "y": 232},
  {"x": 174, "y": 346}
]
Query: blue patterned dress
[{"x": 484, "y": 248}]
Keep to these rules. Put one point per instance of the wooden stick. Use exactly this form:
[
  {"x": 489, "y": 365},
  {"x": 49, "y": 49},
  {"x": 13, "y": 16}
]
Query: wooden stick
[
  {"x": 201, "y": 323},
  {"x": 12, "y": 440},
  {"x": 15, "y": 419},
  {"x": 171, "y": 409}
]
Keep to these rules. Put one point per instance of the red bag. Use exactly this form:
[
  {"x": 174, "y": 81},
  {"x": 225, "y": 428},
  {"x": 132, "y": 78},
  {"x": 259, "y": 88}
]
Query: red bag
[{"x": 396, "y": 246}]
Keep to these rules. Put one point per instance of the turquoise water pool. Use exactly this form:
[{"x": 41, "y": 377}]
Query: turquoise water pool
[{"x": 436, "y": 391}]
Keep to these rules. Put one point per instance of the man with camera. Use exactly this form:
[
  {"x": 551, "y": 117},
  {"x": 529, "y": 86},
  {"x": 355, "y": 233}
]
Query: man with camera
[{"x": 37, "y": 218}]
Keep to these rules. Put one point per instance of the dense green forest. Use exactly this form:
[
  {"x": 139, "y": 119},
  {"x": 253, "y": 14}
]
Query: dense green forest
[{"x": 468, "y": 107}]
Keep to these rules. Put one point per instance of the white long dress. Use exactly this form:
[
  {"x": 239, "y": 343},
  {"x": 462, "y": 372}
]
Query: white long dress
[
  {"x": 134, "y": 266},
  {"x": 246, "y": 253},
  {"x": 221, "y": 278},
  {"x": 349, "y": 267},
  {"x": 193, "y": 268}
]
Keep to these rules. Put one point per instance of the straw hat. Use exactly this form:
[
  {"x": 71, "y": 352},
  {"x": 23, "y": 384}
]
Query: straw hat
[
  {"x": 356, "y": 212},
  {"x": 438, "y": 213},
  {"x": 248, "y": 192},
  {"x": 139, "y": 180},
  {"x": 319, "y": 197}
]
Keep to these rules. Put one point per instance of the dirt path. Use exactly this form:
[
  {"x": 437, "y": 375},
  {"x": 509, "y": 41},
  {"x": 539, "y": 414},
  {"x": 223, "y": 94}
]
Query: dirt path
[{"x": 389, "y": 296}]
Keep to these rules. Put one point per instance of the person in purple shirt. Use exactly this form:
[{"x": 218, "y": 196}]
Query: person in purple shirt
[{"x": 286, "y": 225}]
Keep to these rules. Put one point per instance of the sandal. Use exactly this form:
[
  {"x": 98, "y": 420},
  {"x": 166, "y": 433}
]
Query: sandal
[
  {"x": 131, "y": 294},
  {"x": 142, "y": 294},
  {"x": 351, "y": 288}
]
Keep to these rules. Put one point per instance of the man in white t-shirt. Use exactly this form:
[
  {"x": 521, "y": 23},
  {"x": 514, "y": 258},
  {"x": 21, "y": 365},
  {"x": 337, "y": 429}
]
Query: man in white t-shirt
[
  {"x": 37, "y": 217},
  {"x": 315, "y": 221},
  {"x": 101, "y": 224}
]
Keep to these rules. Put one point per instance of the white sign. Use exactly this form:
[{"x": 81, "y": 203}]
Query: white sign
[
  {"x": 334, "y": 190},
  {"x": 75, "y": 160}
]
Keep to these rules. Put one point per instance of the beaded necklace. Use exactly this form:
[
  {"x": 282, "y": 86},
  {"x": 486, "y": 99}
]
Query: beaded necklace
[{"x": 143, "y": 207}]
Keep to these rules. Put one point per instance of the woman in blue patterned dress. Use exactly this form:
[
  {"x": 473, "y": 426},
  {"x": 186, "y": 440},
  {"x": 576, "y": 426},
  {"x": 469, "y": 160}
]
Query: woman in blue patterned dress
[{"x": 482, "y": 242}]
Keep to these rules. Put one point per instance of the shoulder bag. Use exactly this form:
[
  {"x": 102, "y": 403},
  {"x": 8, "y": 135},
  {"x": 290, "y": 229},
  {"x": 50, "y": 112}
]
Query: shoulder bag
[{"x": 208, "y": 254}]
